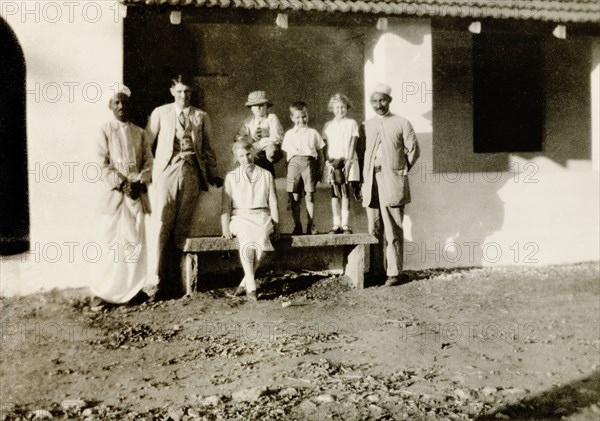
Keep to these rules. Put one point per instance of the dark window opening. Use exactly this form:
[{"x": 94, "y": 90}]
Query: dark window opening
[{"x": 508, "y": 93}]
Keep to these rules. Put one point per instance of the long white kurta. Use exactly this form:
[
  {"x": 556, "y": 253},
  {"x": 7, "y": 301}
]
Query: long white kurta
[{"x": 122, "y": 268}]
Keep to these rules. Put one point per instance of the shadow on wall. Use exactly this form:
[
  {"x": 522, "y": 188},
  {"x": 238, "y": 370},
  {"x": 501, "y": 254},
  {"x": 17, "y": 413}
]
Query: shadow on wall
[
  {"x": 564, "y": 99},
  {"x": 458, "y": 195},
  {"x": 228, "y": 58},
  {"x": 557, "y": 403},
  {"x": 155, "y": 52},
  {"x": 451, "y": 215}
]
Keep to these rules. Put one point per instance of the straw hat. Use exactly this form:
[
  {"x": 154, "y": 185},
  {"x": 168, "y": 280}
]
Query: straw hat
[{"x": 258, "y": 98}]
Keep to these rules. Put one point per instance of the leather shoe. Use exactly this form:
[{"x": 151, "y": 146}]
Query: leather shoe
[
  {"x": 392, "y": 281},
  {"x": 335, "y": 230},
  {"x": 97, "y": 304}
]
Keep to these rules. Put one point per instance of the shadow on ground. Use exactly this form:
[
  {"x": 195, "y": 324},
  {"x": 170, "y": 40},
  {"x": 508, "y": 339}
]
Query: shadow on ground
[
  {"x": 556, "y": 403},
  {"x": 275, "y": 284},
  {"x": 372, "y": 280},
  {"x": 271, "y": 285}
]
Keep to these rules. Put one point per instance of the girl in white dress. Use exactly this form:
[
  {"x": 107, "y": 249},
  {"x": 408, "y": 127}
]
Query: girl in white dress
[
  {"x": 340, "y": 135},
  {"x": 249, "y": 212}
]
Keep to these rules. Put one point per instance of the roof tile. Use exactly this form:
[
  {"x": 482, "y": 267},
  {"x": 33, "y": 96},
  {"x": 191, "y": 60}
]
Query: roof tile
[{"x": 553, "y": 10}]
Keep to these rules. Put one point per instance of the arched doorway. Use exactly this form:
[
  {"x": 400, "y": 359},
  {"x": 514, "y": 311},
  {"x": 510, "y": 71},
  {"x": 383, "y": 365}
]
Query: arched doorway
[{"x": 14, "y": 204}]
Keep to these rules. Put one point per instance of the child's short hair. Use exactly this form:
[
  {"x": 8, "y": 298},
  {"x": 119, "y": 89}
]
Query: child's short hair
[
  {"x": 242, "y": 141},
  {"x": 183, "y": 79},
  {"x": 338, "y": 97},
  {"x": 298, "y": 106}
]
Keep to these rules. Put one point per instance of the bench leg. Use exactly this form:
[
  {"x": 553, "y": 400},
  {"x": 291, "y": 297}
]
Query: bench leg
[
  {"x": 376, "y": 267},
  {"x": 355, "y": 265},
  {"x": 191, "y": 273}
]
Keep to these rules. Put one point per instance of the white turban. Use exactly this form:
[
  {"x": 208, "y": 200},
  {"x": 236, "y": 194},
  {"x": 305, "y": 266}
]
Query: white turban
[
  {"x": 124, "y": 90},
  {"x": 382, "y": 88}
]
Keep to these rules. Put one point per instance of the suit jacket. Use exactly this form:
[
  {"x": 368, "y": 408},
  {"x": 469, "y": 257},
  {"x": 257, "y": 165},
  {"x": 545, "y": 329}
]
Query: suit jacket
[
  {"x": 400, "y": 151},
  {"x": 161, "y": 128},
  {"x": 122, "y": 158}
]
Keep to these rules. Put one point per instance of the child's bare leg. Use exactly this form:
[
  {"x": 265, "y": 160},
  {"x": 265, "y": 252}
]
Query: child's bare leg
[
  {"x": 345, "y": 211},
  {"x": 295, "y": 199},
  {"x": 310, "y": 207},
  {"x": 335, "y": 210}
]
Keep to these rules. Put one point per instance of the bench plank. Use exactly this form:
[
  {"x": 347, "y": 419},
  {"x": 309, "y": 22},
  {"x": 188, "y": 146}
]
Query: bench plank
[{"x": 201, "y": 244}]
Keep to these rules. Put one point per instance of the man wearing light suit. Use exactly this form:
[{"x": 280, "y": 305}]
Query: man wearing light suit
[
  {"x": 391, "y": 149},
  {"x": 184, "y": 165}
]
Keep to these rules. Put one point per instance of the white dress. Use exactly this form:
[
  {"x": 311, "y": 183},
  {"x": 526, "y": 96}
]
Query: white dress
[
  {"x": 338, "y": 136},
  {"x": 246, "y": 198}
]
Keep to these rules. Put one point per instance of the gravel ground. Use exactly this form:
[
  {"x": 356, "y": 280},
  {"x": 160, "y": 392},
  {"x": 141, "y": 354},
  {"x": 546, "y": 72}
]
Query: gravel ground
[{"x": 461, "y": 344}]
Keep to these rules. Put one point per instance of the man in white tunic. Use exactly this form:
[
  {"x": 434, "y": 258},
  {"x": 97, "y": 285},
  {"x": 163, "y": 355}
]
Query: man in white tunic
[
  {"x": 391, "y": 150},
  {"x": 123, "y": 150}
]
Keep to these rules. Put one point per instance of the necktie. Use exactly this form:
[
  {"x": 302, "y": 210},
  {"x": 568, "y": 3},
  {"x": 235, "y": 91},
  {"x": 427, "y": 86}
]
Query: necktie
[{"x": 182, "y": 120}]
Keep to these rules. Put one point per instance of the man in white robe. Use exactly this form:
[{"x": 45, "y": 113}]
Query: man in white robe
[{"x": 123, "y": 150}]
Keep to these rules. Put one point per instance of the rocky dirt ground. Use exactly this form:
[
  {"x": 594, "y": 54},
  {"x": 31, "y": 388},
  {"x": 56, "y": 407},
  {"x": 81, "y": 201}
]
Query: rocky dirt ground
[{"x": 501, "y": 343}]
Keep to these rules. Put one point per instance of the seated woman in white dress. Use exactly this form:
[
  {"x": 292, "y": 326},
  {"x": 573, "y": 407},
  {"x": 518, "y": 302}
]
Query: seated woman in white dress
[{"x": 249, "y": 211}]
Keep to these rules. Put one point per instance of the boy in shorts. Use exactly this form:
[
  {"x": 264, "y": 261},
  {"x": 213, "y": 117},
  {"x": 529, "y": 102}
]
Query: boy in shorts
[{"x": 303, "y": 147}]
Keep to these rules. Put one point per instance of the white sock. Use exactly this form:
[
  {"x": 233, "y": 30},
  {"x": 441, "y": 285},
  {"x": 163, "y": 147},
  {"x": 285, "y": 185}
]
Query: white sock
[
  {"x": 336, "y": 220},
  {"x": 345, "y": 217}
]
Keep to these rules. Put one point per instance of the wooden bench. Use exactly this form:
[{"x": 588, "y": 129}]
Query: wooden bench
[{"x": 348, "y": 252}]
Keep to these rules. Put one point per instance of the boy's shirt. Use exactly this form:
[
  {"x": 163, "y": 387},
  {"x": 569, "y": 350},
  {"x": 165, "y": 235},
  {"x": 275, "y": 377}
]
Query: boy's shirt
[{"x": 302, "y": 141}]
